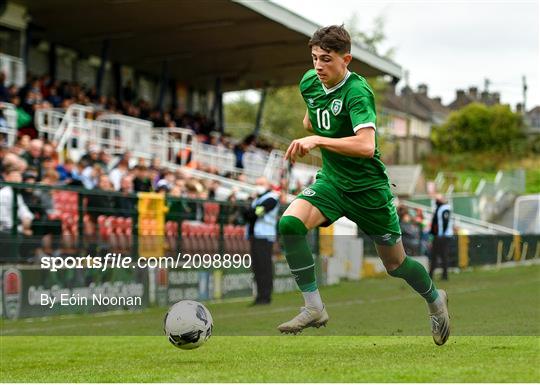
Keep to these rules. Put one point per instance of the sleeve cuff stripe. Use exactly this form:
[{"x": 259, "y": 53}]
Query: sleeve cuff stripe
[{"x": 364, "y": 125}]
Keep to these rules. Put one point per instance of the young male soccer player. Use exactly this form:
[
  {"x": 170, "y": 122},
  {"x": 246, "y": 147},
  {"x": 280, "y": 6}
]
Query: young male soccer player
[{"x": 352, "y": 182}]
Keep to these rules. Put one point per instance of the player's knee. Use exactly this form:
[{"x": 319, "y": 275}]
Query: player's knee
[{"x": 290, "y": 225}]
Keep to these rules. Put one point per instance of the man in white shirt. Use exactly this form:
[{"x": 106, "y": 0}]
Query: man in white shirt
[{"x": 12, "y": 174}]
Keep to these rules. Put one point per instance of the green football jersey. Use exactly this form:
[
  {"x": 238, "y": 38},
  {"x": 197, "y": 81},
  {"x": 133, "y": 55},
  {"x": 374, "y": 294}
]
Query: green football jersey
[{"x": 340, "y": 112}]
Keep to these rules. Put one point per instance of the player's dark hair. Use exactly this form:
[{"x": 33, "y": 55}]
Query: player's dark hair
[{"x": 332, "y": 38}]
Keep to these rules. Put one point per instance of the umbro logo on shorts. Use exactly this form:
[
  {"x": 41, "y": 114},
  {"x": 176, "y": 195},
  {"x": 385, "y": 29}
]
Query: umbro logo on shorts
[
  {"x": 386, "y": 237},
  {"x": 308, "y": 192}
]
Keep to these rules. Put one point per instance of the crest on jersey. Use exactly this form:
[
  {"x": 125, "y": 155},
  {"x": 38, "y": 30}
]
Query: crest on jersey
[
  {"x": 308, "y": 192},
  {"x": 336, "y": 106}
]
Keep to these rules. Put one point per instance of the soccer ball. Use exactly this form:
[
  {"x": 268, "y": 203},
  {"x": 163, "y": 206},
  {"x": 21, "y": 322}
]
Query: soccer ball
[{"x": 188, "y": 324}]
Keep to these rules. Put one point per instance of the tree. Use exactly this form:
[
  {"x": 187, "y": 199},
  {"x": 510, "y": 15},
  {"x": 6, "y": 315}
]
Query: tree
[
  {"x": 370, "y": 40},
  {"x": 284, "y": 112},
  {"x": 240, "y": 116},
  {"x": 478, "y": 127}
]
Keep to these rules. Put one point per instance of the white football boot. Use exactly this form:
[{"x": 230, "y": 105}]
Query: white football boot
[
  {"x": 308, "y": 317},
  {"x": 440, "y": 321}
]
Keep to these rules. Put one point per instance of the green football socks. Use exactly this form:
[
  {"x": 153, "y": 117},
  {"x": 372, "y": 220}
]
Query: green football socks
[
  {"x": 293, "y": 233},
  {"x": 417, "y": 277}
]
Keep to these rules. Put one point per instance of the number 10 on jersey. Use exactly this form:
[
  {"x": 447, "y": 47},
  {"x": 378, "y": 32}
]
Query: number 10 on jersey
[{"x": 323, "y": 119}]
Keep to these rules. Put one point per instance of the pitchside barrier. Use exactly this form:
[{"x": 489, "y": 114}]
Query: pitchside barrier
[{"x": 74, "y": 222}]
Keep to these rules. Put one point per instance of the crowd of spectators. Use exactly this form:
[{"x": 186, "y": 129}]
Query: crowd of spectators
[
  {"x": 43, "y": 92},
  {"x": 35, "y": 160}
]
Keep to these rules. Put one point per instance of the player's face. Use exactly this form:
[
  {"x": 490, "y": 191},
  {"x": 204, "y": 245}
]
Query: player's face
[{"x": 330, "y": 65}]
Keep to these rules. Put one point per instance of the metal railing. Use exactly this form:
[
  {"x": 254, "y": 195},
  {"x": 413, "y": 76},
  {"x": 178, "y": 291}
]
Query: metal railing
[
  {"x": 475, "y": 226},
  {"x": 90, "y": 221},
  {"x": 14, "y": 69},
  {"x": 10, "y": 114},
  {"x": 527, "y": 214},
  {"x": 75, "y": 128}
]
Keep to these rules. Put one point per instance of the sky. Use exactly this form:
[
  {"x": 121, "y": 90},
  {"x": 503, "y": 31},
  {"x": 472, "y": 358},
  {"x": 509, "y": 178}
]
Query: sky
[{"x": 450, "y": 45}]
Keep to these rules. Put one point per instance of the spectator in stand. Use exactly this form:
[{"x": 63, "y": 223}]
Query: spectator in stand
[
  {"x": 104, "y": 159},
  {"x": 142, "y": 180},
  {"x": 100, "y": 203},
  {"x": 242, "y": 148},
  {"x": 22, "y": 145},
  {"x": 65, "y": 171},
  {"x": 47, "y": 225},
  {"x": 162, "y": 186},
  {"x": 233, "y": 212},
  {"x": 50, "y": 178},
  {"x": 48, "y": 164},
  {"x": 24, "y": 119},
  {"x": 92, "y": 156},
  {"x": 34, "y": 156},
  {"x": 11, "y": 160},
  {"x": 126, "y": 204},
  {"x": 50, "y": 152},
  {"x": 13, "y": 175},
  {"x": 90, "y": 176},
  {"x": 76, "y": 175},
  {"x": 54, "y": 98},
  {"x": 194, "y": 210},
  {"x": 30, "y": 195},
  {"x": 118, "y": 173}
]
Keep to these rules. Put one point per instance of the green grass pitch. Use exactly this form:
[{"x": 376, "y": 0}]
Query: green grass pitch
[{"x": 378, "y": 332}]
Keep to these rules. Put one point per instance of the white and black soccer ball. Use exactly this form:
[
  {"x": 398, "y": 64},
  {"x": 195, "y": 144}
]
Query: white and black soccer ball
[{"x": 188, "y": 324}]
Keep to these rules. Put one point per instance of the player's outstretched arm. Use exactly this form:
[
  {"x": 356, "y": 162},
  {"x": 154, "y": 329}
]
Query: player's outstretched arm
[{"x": 362, "y": 145}]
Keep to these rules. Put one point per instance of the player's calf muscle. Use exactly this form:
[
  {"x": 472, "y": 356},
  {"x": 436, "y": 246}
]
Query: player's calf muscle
[{"x": 391, "y": 256}]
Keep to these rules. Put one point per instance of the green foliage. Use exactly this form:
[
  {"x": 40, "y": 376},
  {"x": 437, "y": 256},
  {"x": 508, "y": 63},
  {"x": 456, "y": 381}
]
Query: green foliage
[
  {"x": 478, "y": 127},
  {"x": 372, "y": 39},
  {"x": 284, "y": 111},
  {"x": 240, "y": 116}
]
